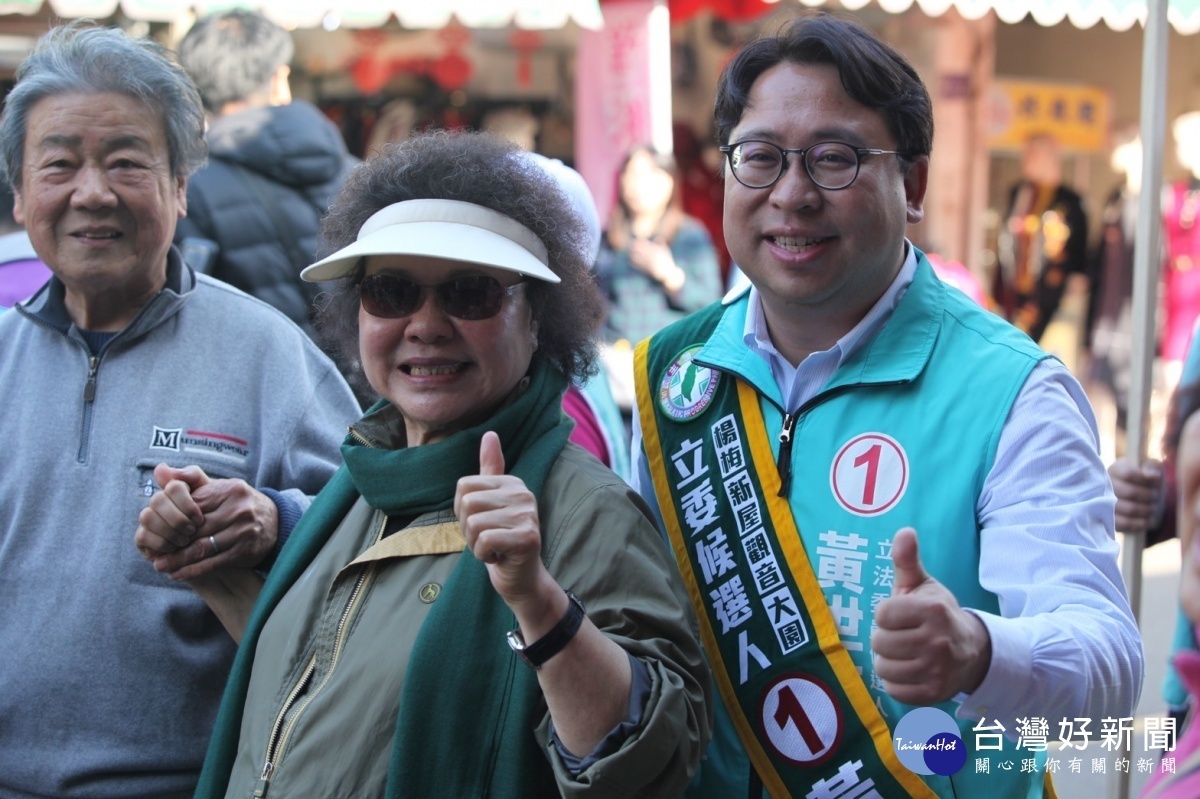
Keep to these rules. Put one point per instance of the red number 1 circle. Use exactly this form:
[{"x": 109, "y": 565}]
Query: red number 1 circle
[
  {"x": 800, "y": 719},
  {"x": 869, "y": 474}
]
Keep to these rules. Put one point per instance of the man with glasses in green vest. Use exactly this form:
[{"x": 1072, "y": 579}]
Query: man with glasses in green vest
[{"x": 801, "y": 437}]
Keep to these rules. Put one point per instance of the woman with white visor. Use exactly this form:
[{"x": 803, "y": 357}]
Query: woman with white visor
[{"x": 473, "y": 606}]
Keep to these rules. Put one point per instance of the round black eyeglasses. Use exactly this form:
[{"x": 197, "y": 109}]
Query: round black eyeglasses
[{"x": 832, "y": 165}]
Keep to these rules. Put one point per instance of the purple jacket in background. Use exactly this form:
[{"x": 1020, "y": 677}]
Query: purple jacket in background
[{"x": 21, "y": 272}]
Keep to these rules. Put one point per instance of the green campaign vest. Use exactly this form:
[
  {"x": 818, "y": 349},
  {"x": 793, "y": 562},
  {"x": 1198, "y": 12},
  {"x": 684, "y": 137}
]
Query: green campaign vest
[{"x": 904, "y": 434}]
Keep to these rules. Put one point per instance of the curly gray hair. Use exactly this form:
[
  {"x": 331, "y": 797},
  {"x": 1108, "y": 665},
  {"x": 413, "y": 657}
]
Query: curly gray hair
[{"x": 483, "y": 169}]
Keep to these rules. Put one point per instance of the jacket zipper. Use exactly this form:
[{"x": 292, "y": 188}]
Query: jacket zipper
[
  {"x": 784, "y": 465},
  {"x": 89, "y": 399},
  {"x": 89, "y": 387},
  {"x": 360, "y": 438},
  {"x": 787, "y": 432},
  {"x": 264, "y": 779},
  {"x": 280, "y": 732}
]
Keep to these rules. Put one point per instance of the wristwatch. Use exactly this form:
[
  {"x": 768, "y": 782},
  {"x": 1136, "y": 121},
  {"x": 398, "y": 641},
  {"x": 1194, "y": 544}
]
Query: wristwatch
[{"x": 551, "y": 643}]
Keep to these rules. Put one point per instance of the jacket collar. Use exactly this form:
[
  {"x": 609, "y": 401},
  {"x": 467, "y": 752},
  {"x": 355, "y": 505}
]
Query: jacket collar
[
  {"x": 896, "y": 354},
  {"x": 900, "y": 351},
  {"x": 49, "y": 306}
]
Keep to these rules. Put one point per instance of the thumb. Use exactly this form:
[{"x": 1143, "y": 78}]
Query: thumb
[
  {"x": 906, "y": 562},
  {"x": 194, "y": 476},
  {"x": 491, "y": 456}
]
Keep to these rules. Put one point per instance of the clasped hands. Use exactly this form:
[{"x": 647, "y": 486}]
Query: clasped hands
[
  {"x": 927, "y": 648},
  {"x": 176, "y": 530}
]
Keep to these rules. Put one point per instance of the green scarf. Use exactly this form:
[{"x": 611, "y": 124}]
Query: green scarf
[{"x": 468, "y": 707}]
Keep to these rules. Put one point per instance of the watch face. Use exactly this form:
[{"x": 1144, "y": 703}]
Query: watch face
[
  {"x": 518, "y": 645},
  {"x": 515, "y": 641},
  {"x": 552, "y": 642}
]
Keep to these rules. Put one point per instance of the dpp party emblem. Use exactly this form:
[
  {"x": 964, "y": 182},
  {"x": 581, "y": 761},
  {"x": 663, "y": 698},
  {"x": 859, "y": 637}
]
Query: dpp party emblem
[{"x": 687, "y": 388}]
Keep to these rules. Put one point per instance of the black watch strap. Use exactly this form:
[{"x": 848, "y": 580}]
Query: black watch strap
[{"x": 552, "y": 642}]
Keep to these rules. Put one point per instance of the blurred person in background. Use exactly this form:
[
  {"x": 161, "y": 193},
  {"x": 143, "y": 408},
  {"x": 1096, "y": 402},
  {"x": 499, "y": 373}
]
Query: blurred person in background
[
  {"x": 656, "y": 264},
  {"x": 274, "y": 163},
  {"x": 130, "y": 367},
  {"x": 21, "y": 271},
  {"x": 1110, "y": 308},
  {"x": 1181, "y": 274},
  {"x": 701, "y": 191},
  {"x": 1043, "y": 240},
  {"x": 515, "y": 123}
]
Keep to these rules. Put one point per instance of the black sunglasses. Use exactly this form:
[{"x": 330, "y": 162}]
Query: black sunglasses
[{"x": 472, "y": 297}]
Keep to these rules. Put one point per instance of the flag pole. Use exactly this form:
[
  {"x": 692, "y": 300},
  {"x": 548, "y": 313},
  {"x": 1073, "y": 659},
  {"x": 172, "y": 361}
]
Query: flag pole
[{"x": 1146, "y": 264}]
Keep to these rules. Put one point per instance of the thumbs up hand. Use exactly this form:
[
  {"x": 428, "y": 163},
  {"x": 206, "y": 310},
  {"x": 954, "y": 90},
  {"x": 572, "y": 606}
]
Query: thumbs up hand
[
  {"x": 499, "y": 519},
  {"x": 926, "y": 647},
  {"x": 909, "y": 573}
]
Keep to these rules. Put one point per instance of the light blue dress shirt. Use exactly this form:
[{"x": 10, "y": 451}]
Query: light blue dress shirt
[{"x": 1065, "y": 644}]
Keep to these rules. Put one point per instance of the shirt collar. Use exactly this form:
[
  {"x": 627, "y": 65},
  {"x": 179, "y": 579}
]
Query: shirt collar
[
  {"x": 49, "y": 303},
  {"x": 758, "y": 339}
]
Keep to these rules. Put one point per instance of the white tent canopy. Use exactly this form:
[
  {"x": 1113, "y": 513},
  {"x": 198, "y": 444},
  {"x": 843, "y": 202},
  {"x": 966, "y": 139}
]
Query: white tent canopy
[
  {"x": 1184, "y": 15},
  {"x": 531, "y": 14}
]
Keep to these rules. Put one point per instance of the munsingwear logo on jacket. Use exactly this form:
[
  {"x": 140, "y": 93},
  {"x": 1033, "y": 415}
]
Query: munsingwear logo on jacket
[{"x": 180, "y": 439}]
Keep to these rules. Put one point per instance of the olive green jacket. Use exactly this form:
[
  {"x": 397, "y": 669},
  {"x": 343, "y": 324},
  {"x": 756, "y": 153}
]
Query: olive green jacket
[{"x": 337, "y": 739}]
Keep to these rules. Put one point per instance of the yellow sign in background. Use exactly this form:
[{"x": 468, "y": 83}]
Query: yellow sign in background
[{"x": 1078, "y": 116}]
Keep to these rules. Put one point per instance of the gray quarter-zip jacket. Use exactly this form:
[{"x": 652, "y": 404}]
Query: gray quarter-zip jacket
[{"x": 111, "y": 673}]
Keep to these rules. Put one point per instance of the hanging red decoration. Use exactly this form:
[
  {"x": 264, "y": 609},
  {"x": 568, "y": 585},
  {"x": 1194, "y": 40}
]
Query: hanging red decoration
[
  {"x": 525, "y": 42},
  {"x": 370, "y": 74},
  {"x": 451, "y": 71}
]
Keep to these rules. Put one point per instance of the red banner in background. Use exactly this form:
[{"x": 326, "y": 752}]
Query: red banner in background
[
  {"x": 730, "y": 10},
  {"x": 613, "y": 95}
]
